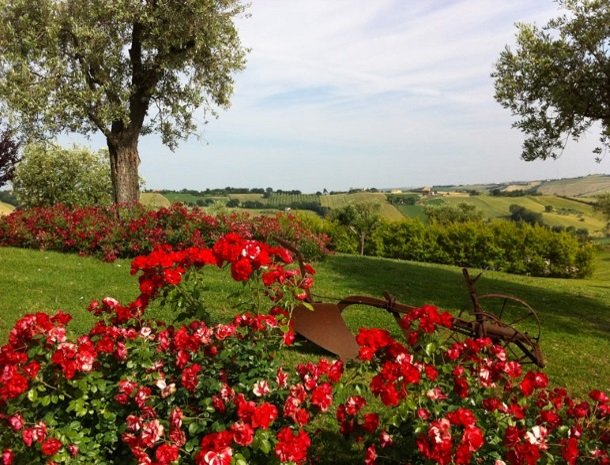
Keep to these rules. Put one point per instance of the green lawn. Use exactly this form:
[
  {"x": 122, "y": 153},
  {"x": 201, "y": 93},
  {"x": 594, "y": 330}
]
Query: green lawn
[{"x": 575, "y": 314}]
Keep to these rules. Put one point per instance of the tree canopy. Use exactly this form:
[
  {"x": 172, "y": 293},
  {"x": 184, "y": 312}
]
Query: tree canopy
[
  {"x": 121, "y": 67},
  {"x": 556, "y": 80}
]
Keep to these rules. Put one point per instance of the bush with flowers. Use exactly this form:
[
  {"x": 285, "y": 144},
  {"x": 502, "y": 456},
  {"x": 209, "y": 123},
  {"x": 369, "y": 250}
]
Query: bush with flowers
[
  {"x": 126, "y": 231},
  {"x": 133, "y": 390}
]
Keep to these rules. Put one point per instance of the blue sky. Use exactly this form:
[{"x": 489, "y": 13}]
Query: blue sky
[{"x": 365, "y": 93}]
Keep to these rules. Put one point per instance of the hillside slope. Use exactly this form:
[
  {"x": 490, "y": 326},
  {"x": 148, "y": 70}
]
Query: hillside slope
[
  {"x": 387, "y": 211},
  {"x": 565, "y": 212}
]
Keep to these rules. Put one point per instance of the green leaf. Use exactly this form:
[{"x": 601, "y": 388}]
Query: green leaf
[
  {"x": 32, "y": 395},
  {"x": 431, "y": 348},
  {"x": 193, "y": 428}
]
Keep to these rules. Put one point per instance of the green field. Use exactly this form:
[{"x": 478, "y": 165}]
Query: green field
[
  {"x": 245, "y": 197},
  {"x": 576, "y": 187},
  {"x": 186, "y": 198},
  {"x": 575, "y": 314},
  {"x": 413, "y": 211},
  {"x": 566, "y": 212}
]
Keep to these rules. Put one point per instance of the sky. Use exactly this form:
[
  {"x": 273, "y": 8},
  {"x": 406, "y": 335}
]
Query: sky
[{"x": 365, "y": 93}]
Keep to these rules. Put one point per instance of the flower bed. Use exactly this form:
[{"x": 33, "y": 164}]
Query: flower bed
[
  {"x": 126, "y": 231},
  {"x": 134, "y": 390}
]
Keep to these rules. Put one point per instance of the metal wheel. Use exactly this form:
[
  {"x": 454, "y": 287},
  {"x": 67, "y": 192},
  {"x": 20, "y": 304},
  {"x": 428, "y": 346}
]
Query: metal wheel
[{"x": 512, "y": 323}]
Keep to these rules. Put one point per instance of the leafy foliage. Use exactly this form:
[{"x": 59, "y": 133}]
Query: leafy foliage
[
  {"x": 49, "y": 175},
  {"x": 556, "y": 80},
  {"x": 460, "y": 213},
  {"x": 520, "y": 213}
]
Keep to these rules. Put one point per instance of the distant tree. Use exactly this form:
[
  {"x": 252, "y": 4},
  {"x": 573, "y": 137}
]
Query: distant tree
[
  {"x": 556, "y": 80},
  {"x": 48, "y": 174},
  {"x": 361, "y": 219},
  {"x": 123, "y": 68},
  {"x": 520, "y": 213},
  {"x": 232, "y": 203},
  {"x": 460, "y": 213},
  {"x": 9, "y": 156}
]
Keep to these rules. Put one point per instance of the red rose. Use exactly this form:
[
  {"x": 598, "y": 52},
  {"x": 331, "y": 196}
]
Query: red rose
[
  {"x": 166, "y": 453},
  {"x": 50, "y": 447},
  {"x": 291, "y": 447},
  {"x": 322, "y": 396},
  {"x": 570, "y": 450},
  {"x": 7, "y": 457},
  {"x": 16, "y": 422},
  {"x": 241, "y": 269},
  {"x": 189, "y": 376},
  {"x": 264, "y": 415},
  {"x": 371, "y": 422},
  {"x": 243, "y": 434}
]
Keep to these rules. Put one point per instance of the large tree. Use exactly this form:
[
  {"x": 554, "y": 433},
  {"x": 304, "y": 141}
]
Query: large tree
[
  {"x": 122, "y": 67},
  {"x": 556, "y": 81}
]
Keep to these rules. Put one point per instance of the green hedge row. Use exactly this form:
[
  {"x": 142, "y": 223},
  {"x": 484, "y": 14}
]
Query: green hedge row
[{"x": 496, "y": 245}]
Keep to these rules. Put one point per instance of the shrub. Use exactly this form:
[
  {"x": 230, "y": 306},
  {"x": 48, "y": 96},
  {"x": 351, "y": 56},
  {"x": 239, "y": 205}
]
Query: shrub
[
  {"x": 498, "y": 245},
  {"x": 48, "y": 174},
  {"x": 129, "y": 230}
]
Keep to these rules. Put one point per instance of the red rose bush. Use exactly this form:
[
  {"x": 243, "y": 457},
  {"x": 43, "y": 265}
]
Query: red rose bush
[
  {"x": 126, "y": 231},
  {"x": 139, "y": 391}
]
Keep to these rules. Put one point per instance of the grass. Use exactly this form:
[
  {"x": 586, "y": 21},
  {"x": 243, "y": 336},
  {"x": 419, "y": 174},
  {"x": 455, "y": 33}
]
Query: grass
[
  {"x": 46, "y": 281},
  {"x": 5, "y": 208},
  {"x": 575, "y": 314}
]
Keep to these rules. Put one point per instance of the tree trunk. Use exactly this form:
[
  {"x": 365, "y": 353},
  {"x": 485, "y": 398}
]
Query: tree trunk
[{"x": 124, "y": 163}]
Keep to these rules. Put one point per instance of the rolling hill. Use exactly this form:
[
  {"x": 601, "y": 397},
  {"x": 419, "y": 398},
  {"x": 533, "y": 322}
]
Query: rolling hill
[{"x": 587, "y": 186}]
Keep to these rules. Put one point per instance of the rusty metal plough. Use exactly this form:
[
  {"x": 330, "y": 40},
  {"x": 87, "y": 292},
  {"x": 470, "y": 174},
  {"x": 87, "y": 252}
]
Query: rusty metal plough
[{"x": 505, "y": 319}]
